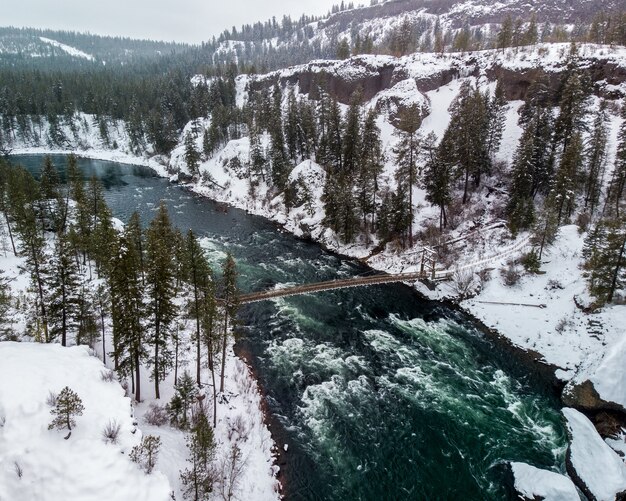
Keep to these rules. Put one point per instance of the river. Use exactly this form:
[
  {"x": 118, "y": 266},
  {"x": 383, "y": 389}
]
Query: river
[{"x": 379, "y": 395}]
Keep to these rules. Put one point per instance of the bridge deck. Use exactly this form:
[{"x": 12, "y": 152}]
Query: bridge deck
[{"x": 328, "y": 285}]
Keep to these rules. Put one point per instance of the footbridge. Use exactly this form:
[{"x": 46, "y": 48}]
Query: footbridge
[{"x": 427, "y": 271}]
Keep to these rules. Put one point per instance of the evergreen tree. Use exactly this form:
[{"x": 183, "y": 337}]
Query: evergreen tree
[
  {"x": 257, "y": 157},
  {"x": 68, "y": 406},
  {"x": 49, "y": 185},
  {"x": 595, "y": 156},
  {"x": 437, "y": 179},
  {"x": 65, "y": 294},
  {"x": 351, "y": 143},
  {"x": 466, "y": 138},
  {"x": 496, "y": 119},
  {"x": 198, "y": 479},
  {"x": 278, "y": 156},
  {"x": 617, "y": 187},
  {"x": 407, "y": 153},
  {"x": 23, "y": 195},
  {"x": 230, "y": 296},
  {"x": 146, "y": 453},
  {"x": 505, "y": 35},
  {"x": 160, "y": 281},
  {"x": 563, "y": 195},
  {"x": 370, "y": 168},
  {"x": 127, "y": 311},
  {"x": 607, "y": 260},
  {"x": 192, "y": 156},
  {"x": 197, "y": 272},
  {"x": 544, "y": 229},
  {"x": 181, "y": 402}
]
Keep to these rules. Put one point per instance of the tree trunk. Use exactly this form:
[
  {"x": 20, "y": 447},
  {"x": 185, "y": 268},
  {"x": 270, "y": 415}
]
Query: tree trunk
[
  {"x": 465, "y": 187},
  {"x": 6, "y": 217},
  {"x": 137, "y": 376},
  {"x": 41, "y": 298},
  {"x": 224, "y": 351},
  {"x": 104, "y": 350},
  {"x": 616, "y": 272}
]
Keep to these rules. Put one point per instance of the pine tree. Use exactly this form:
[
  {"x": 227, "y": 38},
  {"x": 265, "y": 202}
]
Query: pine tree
[
  {"x": 278, "y": 156},
  {"x": 257, "y": 159},
  {"x": 49, "y": 185},
  {"x": 160, "y": 281},
  {"x": 127, "y": 312},
  {"x": 179, "y": 406},
  {"x": 370, "y": 168},
  {"x": 572, "y": 103},
  {"x": 6, "y": 299},
  {"x": 23, "y": 195},
  {"x": 65, "y": 294},
  {"x": 407, "y": 153},
  {"x": 192, "y": 156},
  {"x": 563, "y": 195},
  {"x": 496, "y": 119},
  {"x": 505, "y": 35},
  {"x": 595, "y": 155},
  {"x": 532, "y": 35},
  {"x": 146, "y": 453},
  {"x": 197, "y": 272},
  {"x": 68, "y": 406},
  {"x": 617, "y": 187},
  {"x": 437, "y": 179},
  {"x": 466, "y": 137},
  {"x": 230, "y": 296},
  {"x": 607, "y": 260},
  {"x": 198, "y": 479},
  {"x": 545, "y": 229},
  {"x": 292, "y": 124},
  {"x": 351, "y": 143}
]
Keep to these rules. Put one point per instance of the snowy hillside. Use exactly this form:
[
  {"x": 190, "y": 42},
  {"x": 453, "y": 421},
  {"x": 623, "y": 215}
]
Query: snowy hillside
[
  {"x": 37, "y": 463},
  {"x": 378, "y": 25}
]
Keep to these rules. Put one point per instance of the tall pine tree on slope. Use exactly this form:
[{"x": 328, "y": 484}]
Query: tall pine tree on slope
[{"x": 160, "y": 281}]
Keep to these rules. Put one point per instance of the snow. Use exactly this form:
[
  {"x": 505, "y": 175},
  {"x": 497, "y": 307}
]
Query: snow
[
  {"x": 596, "y": 464},
  {"x": 83, "y": 467},
  {"x": 72, "y": 51},
  {"x": 535, "y": 483},
  {"x": 609, "y": 378},
  {"x": 240, "y": 421}
]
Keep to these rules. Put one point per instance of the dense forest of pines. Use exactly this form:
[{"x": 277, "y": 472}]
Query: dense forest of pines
[
  {"x": 155, "y": 97},
  {"x": 83, "y": 270}
]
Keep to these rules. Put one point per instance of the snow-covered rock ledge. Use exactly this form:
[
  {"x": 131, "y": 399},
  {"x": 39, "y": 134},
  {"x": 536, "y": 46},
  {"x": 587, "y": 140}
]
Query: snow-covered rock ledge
[
  {"x": 596, "y": 469},
  {"x": 533, "y": 483}
]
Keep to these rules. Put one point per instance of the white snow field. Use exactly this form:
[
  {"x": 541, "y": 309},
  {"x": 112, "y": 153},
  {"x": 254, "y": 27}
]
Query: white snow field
[
  {"x": 596, "y": 464},
  {"x": 39, "y": 464},
  {"x": 535, "y": 483}
]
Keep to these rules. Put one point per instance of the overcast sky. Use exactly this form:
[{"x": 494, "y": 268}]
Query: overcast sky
[{"x": 180, "y": 20}]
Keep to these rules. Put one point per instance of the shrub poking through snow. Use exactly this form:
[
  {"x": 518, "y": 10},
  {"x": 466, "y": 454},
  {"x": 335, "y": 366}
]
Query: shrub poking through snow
[
  {"x": 146, "y": 453},
  {"x": 52, "y": 399},
  {"x": 68, "y": 406},
  {"x": 511, "y": 275},
  {"x": 156, "y": 415},
  {"x": 111, "y": 432},
  {"x": 107, "y": 376}
]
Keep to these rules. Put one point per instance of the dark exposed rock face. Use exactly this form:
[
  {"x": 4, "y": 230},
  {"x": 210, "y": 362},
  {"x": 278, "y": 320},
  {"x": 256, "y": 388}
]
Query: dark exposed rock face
[
  {"x": 372, "y": 75},
  {"x": 339, "y": 78},
  {"x": 584, "y": 397}
]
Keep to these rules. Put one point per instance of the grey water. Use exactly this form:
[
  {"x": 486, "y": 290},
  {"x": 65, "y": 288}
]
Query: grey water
[{"x": 379, "y": 394}]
